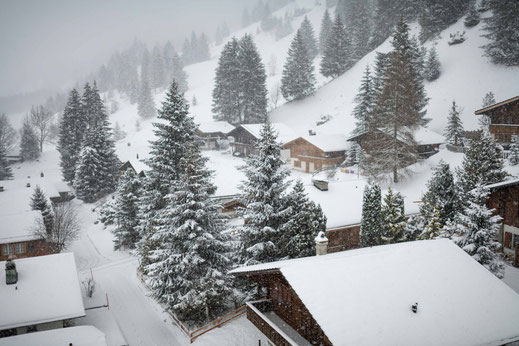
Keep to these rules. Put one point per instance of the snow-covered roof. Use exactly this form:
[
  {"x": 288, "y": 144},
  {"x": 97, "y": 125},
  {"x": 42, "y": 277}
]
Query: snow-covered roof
[
  {"x": 47, "y": 290},
  {"x": 215, "y": 126},
  {"x": 497, "y": 105},
  {"x": 364, "y": 296},
  {"x": 328, "y": 143},
  {"x": 19, "y": 226},
  {"x": 425, "y": 136},
  {"x": 512, "y": 181},
  {"x": 284, "y": 132},
  {"x": 77, "y": 336}
]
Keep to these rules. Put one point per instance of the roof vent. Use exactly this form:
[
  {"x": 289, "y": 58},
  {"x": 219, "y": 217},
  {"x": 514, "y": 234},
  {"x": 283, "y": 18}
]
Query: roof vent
[
  {"x": 414, "y": 307},
  {"x": 11, "y": 275}
]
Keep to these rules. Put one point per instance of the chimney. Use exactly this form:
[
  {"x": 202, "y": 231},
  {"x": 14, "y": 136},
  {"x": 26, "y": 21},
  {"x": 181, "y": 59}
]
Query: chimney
[
  {"x": 11, "y": 275},
  {"x": 321, "y": 244}
]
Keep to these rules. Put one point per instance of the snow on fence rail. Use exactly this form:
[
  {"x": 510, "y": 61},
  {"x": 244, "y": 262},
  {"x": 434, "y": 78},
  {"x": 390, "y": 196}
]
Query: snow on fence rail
[{"x": 217, "y": 323}]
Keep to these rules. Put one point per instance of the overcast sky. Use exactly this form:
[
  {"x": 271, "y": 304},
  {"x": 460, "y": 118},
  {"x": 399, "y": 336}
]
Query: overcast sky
[{"x": 46, "y": 44}]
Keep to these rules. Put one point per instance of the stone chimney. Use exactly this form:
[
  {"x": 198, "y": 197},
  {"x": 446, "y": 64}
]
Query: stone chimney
[
  {"x": 321, "y": 244},
  {"x": 11, "y": 275}
]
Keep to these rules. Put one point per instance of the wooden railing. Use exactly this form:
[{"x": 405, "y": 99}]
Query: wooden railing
[{"x": 217, "y": 323}]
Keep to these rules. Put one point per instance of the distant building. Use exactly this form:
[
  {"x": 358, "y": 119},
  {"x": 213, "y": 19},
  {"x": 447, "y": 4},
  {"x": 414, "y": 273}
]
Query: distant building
[
  {"x": 46, "y": 295},
  {"x": 128, "y": 165},
  {"x": 243, "y": 138},
  {"x": 76, "y": 336},
  {"x": 313, "y": 153},
  {"x": 212, "y": 133},
  {"x": 504, "y": 120},
  {"x": 414, "y": 293}
]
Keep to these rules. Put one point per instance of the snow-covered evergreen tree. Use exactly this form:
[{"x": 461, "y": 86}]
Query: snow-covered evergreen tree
[
  {"x": 338, "y": 54},
  {"x": 5, "y": 170},
  {"x": 308, "y": 36},
  {"x": 472, "y": 19},
  {"x": 483, "y": 164},
  {"x": 484, "y": 120},
  {"x": 436, "y": 16},
  {"x": 513, "y": 155},
  {"x": 126, "y": 209},
  {"x": 454, "y": 128},
  {"x": 298, "y": 80},
  {"x": 432, "y": 66},
  {"x": 264, "y": 190},
  {"x": 371, "y": 228},
  {"x": 157, "y": 69},
  {"x": 71, "y": 132},
  {"x": 40, "y": 202},
  {"x": 178, "y": 74},
  {"x": 476, "y": 228},
  {"x": 393, "y": 218},
  {"x": 381, "y": 64},
  {"x": 326, "y": 29},
  {"x": 441, "y": 193},
  {"x": 433, "y": 227},
  {"x": 386, "y": 14},
  {"x": 358, "y": 24},
  {"x": 145, "y": 103},
  {"x": 305, "y": 220},
  {"x": 503, "y": 31},
  {"x": 29, "y": 147},
  {"x": 364, "y": 100}
]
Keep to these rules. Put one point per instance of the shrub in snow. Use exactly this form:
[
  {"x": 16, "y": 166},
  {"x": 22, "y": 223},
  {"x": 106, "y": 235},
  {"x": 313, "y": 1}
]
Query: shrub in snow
[
  {"x": 393, "y": 217},
  {"x": 472, "y": 18},
  {"x": 371, "y": 228},
  {"x": 454, "y": 127},
  {"x": 457, "y": 38}
]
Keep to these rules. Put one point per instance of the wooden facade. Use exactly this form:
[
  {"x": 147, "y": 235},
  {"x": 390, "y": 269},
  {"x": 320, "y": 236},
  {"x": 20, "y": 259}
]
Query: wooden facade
[
  {"x": 24, "y": 249},
  {"x": 210, "y": 140},
  {"x": 285, "y": 303},
  {"x": 307, "y": 157},
  {"x": 504, "y": 120},
  {"x": 242, "y": 142},
  {"x": 343, "y": 238}
]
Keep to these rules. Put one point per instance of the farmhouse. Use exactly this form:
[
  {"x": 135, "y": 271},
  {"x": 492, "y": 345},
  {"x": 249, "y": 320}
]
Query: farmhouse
[
  {"x": 211, "y": 133},
  {"x": 244, "y": 137},
  {"x": 408, "y": 293},
  {"x": 45, "y": 295},
  {"x": 504, "y": 120},
  {"x": 313, "y": 153},
  {"x": 504, "y": 198}
]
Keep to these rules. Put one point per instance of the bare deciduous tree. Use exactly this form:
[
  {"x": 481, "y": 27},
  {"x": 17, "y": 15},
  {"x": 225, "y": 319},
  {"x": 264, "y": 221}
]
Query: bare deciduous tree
[
  {"x": 8, "y": 134},
  {"x": 274, "y": 96},
  {"x": 41, "y": 120},
  {"x": 64, "y": 230}
]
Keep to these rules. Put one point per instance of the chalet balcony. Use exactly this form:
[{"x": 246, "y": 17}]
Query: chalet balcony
[{"x": 261, "y": 314}]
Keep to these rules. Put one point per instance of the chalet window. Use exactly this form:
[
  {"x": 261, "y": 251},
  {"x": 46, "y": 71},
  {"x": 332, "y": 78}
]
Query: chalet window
[
  {"x": 20, "y": 248},
  {"x": 297, "y": 164},
  {"x": 7, "y": 250}
]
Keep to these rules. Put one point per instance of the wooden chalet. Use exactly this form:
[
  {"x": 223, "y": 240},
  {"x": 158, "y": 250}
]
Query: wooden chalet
[
  {"x": 428, "y": 142},
  {"x": 313, "y": 153},
  {"x": 504, "y": 198},
  {"x": 243, "y": 138},
  {"x": 212, "y": 133},
  {"x": 128, "y": 165},
  {"x": 371, "y": 296},
  {"x": 504, "y": 120}
]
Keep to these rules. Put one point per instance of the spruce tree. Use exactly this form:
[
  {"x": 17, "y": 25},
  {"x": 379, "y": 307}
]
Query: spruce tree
[
  {"x": 39, "y": 202},
  {"x": 226, "y": 89},
  {"x": 308, "y": 36},
  {"x": 371, "y": 228},
  {"x": 338, "y": 55},
  {"x": 442, "y": 194},
  {"x": 157, "y": 69},
  {"x": 381, "y": 64},
  {"x": 472, "y": 19},
  {"x": 298, "y": 80},
  {"x": 476, "y": 229},
  {"x": 190, "y": 261},
  {"x": 326, "y": 29},
  {"x": 29, "y": 147},
  {"x": 454, "y": 128},
  {"x": 266, "y": 207},
  {"x": 305, "y": 220},
  {"x": 513, "y": 155},
  {"x": 386, "y": 14},
  {"x": 5, "y": 170},
  {"x": 71, "y": 134},
  {"x": 364, "y": 100},
  {"x": 484, "y": 120},
  {"x": 393, "y": 218},
  {"x": 432, "y": 66},
  {"x": 433, "y": 228},
  {"x": 438, "y": 15},
  {"x": 145, "y": 105},
  {"x": 358, "y": 24},
  {"x": 502, "y": 30},
  {"x": 178, "y": 73},
  {"x": 126, "y": 209}
]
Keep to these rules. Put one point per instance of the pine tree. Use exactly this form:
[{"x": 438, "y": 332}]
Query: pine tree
[
  {"x": 337, "y": 56},
  {"x": 5, "y": 170},
  {"x": 305, "y": 220},
  {"x": 178, "y": 73},
  {"x": 264, "y": 190},
  {"x": 438, "y": 15},
  {"x": 393, "y": 217},
  {"x": 454, "y": 128},
  {"x": 503, "y": 31},
  {"x": 441, "y": 193},
  {"x": 326, "y": 29},
  {"x": 364, "y": 100},
  {"x": 226, "y": 88},
  {"x": 29, "y": 147},
  {"x": 484, "y": 120},
  {"x": 472, "y": 19},
  {"x": 386, "y": 14},
  {"x": 298, "y": 80},
  {"x": 190, "y": 262},
  {"x": 371, "y": 229},
  {"x": 146, "y": 105},
  {"x": 71, "y": 135},
  {"x": 433, "y": 227},
  {"x": 39, "y": 202},
  {"x": 308, "y": 36},
  {"x": 381, "y": 64},
  {"x": 476, "y": 229},
  {"x": 157, "y": 69},
  {"x": 359, "y": 25},
  {"x": 432, "y": 66},
  {"x": 513, "y": 155},
  {"x": 483, "y": 164},
  {"x": 126, "y": 205}
]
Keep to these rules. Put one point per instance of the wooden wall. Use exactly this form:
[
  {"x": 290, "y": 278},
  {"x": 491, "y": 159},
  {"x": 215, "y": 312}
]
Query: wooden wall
[
  {"x": 505, "y": 201},
  {"x": 39, "y": 247},
  {"x": 303, "y": 151},
  {"x": 343, "y": 238}
]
